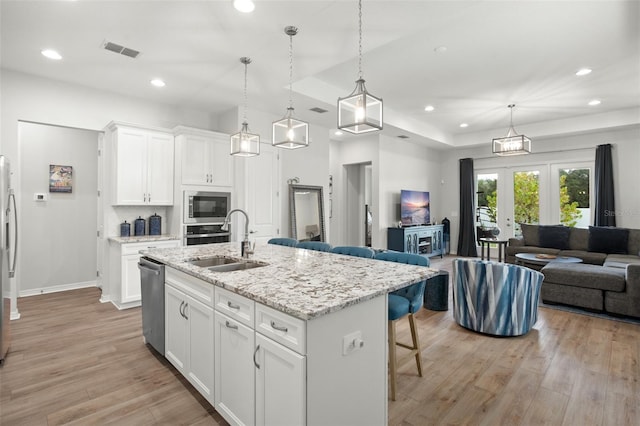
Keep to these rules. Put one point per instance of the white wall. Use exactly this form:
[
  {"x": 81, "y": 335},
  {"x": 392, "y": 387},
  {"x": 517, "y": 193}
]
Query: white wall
[
  {"x": 57, "y": 235},
  {"x": 561, "y": 149}
]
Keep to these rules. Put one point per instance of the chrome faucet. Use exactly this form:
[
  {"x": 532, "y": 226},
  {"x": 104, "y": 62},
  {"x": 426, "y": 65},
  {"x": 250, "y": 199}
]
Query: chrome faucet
[{"x": 245, "y": 248}]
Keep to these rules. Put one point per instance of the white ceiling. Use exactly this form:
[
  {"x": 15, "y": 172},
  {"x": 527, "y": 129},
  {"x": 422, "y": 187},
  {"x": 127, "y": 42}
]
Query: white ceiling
[{"x": 497, "y": 53}]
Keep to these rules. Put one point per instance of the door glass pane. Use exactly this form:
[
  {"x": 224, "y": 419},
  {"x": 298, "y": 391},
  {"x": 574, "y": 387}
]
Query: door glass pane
[
  {"x": 574, "y": 197},
  {"x": 487, "y": 202},
  {"x": 526, "y": 199}
]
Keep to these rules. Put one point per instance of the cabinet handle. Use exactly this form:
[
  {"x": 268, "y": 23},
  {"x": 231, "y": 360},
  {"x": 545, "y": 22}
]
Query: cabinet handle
[
  {"x": 181, "y": 311},
  {"x": 254, "y": 357},
  {"x": 232, "y": 306},
  {"x": 231, "y": 326},
  {"x": 186, "y": 305},
  {"x": 149, "y": 197},
  {"x": 278, "y": 327}
]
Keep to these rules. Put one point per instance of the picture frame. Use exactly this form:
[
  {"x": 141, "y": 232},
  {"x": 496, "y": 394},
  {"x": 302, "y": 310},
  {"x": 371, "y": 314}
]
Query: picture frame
[{"x": 60, "y": 178}]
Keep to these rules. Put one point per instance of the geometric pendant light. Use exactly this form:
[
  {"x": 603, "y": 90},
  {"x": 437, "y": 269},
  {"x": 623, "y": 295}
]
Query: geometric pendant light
[
  {"x": 360, "y": 112},
  {"x": 512, "y": 143},
  {"x": 244, "y": 143},
  {"x": 290, "y": 132}
]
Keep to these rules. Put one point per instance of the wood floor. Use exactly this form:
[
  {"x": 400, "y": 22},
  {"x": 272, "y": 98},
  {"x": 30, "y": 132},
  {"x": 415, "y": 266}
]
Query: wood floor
[{"x": 76, "y": 361}]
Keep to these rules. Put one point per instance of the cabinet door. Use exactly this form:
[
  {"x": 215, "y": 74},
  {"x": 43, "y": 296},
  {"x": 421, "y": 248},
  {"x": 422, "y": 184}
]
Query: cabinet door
[
  {"x": 195, "y": 160},
  {"x": 160, "y": 169},
  {"x": 221, "y": 163},
  {"x": 131, "y": 167},
  {"x": 234, "y": 371},
  {"x": 130, "y": 291},
  {"x": 280, "y": 384},
  {"x": 176, "y": 330},
  {"x": 200, "y": 348}
]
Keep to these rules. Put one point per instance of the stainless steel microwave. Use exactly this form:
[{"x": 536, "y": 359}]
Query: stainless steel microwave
[{"x": 206, "y": 207}]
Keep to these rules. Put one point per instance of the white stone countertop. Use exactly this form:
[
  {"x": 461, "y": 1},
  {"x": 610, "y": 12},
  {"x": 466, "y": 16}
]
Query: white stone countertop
[
  {"x": 299, "y": 282},
  {"x": 143, "y": 238}
]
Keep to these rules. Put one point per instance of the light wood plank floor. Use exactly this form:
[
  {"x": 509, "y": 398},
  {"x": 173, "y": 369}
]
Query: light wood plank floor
[{"x": 76, "y": 361}]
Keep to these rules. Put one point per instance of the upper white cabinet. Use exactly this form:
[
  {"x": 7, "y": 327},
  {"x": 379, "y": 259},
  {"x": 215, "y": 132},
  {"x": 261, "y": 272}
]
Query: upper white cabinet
[
  {"x": 205, "y": 157},
  {"x": 143, "y": 165}
]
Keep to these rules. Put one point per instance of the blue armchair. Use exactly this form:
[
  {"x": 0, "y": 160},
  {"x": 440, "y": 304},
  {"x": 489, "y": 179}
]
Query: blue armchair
[
  {"x": 495, "y": 298},
  {"x": 404, "y": 303}
]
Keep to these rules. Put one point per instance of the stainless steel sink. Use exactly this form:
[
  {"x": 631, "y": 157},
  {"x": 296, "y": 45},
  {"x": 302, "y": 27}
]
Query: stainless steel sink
[
  {"x": 239, "y": 266},
  {"x": 214, "y": 261}
]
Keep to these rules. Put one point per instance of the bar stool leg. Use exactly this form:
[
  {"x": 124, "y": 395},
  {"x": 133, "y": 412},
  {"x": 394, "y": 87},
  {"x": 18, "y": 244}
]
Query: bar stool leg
[
  {"x": 392, "y": 358},
  {"x": 416, "y": 343}
]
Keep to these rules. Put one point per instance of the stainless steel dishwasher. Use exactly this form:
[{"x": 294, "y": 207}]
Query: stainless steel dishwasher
[{"x": 152, "y": 292}]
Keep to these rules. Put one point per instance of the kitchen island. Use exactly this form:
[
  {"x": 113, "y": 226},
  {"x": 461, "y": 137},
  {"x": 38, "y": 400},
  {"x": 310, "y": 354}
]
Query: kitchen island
[{"x": 299, "y": 339}]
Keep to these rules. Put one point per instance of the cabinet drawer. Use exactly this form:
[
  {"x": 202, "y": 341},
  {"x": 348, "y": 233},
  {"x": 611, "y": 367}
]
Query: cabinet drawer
[
  {"x": 134, "y": 248},
  {"x": 235, "y": 306},
  {"x": 200, "y": 290},
  {"x": 283, "y": 328}
]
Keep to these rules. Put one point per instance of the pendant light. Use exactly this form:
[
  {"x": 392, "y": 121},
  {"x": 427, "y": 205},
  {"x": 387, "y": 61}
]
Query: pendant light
[
  {"x": 513, "y": 143},
  {"x": 360, "y": 112},
  {"x": 244, "y": 143},
  {"x": 290, "y": 132}
]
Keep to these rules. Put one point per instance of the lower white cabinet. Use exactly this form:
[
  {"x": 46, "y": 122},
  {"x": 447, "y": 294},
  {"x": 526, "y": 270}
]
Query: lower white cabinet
[
  {"x": 125, "y": 258},
  {"x": 189, "y": 325},
  {"x": 280, "y": 384},
  {"x": 234, "y": 375}
]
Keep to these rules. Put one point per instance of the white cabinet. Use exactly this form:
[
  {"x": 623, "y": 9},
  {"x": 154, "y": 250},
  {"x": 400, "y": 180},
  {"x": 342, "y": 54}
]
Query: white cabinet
[
  {"x": 234, "y": 373},
  {"x": 189, "y": 325},
  {"x": 124, "y": 259},
  {"x": 143, "y": 162},
  {"x": 205, "y": 157},
  {"x": 280, "y": 384}
]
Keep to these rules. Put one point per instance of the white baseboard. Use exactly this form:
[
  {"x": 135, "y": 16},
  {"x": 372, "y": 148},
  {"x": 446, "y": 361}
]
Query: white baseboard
[{"x": 56, "y": 288}]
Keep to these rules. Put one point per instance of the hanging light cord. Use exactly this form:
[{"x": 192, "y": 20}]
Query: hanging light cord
[
  {"x": 360, "y": 39},
  {"x": 244, "y": 117},
  {"x": 290, "y": 70}
]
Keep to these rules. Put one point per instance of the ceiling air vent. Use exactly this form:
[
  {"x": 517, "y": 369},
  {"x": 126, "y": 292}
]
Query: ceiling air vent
[
  {"x": 319, "y": 110},
  {"x": 116, "y": 48},
  {"x": 403, "y": 136}
]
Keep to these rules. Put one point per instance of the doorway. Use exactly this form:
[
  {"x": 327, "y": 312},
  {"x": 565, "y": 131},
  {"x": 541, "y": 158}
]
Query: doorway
[
  {"x": 58, "y": 226},
  {"x": 359, "y": 201}
]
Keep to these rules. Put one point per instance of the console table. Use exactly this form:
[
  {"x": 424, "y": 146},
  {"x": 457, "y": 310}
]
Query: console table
[{"x": 425, "y": 240}]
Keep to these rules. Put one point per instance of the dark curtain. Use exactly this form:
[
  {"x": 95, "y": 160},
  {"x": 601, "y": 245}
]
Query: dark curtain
[
  {"x": 466, "y": 233},
  {"x": 605, "y": 203}
]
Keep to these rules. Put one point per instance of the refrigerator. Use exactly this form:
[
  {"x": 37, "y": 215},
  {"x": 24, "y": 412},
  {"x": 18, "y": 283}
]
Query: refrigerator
[{"x": 8, "y": 245}]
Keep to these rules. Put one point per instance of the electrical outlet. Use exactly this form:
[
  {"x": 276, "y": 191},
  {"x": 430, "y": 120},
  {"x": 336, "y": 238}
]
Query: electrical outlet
[{"x": 352, "y": 342}]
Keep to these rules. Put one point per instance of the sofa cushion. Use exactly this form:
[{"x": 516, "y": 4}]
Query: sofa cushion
[
  {"x": 581, "y": 275},
  {"x": 530, "y": 234},
  {"x": 634, "y": 242},
  {"x": 589, "y": 257},
  {"x": 608, "y": 240},
  {"x": 621, "y": 260},
  {"x": 513, "y": 250},
  {"x": 554, "y": 236},
  {"x": 579, "y": 239}
]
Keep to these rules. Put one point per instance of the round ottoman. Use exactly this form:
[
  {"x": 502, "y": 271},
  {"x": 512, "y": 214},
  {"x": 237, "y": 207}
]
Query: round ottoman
[{"x": 436, "y": 293}]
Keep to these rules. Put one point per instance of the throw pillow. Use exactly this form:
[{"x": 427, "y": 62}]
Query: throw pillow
[
  {"x": 604, "y": 239},
  {"x": 530, "y": 234},
  {"x": 554, "y": 236}
]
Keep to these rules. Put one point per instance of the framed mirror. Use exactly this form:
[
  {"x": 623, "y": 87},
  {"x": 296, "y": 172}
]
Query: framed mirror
[{"x": 306, "y": 212}]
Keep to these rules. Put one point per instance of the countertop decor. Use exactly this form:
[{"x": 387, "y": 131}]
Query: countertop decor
[{"x": 143, "y": 238}]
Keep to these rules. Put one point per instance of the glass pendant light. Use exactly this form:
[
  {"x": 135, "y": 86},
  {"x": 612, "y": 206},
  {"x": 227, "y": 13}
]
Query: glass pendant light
[
  {"x": 244, "y": 143},
  {"x": 290, "y": 132},
  {"x": 513, "y": 143},
  {"x": 360, "y": 112}
]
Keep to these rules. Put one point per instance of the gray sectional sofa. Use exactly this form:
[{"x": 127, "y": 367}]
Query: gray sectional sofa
[{"x": 607, "y": 280}]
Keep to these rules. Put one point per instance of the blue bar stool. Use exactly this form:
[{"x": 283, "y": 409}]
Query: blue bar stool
[
  {"x": 289, "y": 242},
  {"x": 314, "y": 245},
  {"x": 365, "y": 252}
]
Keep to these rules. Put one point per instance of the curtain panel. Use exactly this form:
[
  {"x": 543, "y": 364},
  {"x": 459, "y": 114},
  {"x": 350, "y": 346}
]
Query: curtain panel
[
  {"x": 466, "y": 233},
  {"x": 605, "y": 204}
]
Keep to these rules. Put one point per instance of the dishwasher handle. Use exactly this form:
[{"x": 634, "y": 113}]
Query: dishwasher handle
[{"x": 145, "y": 268}]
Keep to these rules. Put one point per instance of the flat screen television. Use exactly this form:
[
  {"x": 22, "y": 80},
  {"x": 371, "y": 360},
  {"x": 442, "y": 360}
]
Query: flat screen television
[{"x": 414, "y": 208}]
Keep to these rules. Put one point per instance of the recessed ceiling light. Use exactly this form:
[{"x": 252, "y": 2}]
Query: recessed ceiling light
[
  {"x": 244, "y": 6},
  {"x": 594, "y": 102},
  {"x": 158, "y": 83},
  {"x": 338, "y": 133},
  {"x": 583, "y": 71},
  {"x": 429, "y": 108},
  {"x": 51, "y": 54},
  {"x": 440, "y": 49},
  {"x": 463, "y": 125}
]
